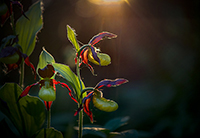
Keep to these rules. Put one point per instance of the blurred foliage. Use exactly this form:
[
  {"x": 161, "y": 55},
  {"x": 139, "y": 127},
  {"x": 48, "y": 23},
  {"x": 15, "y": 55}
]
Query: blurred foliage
[{"x": 109, "y": 129}]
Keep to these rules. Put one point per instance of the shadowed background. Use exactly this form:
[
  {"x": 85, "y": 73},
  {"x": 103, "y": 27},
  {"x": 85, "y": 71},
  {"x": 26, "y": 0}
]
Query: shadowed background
[{"x": 157, "y": 50}]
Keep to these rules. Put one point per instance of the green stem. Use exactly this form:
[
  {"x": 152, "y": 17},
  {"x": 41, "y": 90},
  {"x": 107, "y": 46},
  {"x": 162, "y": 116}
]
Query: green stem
[
  {"x": 21, "y": 78},
  {"x": 78, "y": 74},
  {"x": 80, "y": 130},
  {"x": 80, "y": 123},
  {"x": 48, "y": 117}
]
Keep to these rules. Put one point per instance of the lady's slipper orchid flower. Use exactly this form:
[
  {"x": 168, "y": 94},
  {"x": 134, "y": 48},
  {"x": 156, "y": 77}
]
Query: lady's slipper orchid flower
[
  {"x": 12, "y": 57},
  {"x": 98, "y": 100},
  {"x": 91, "y": 53},
  {"x": 47, "y": 86}
]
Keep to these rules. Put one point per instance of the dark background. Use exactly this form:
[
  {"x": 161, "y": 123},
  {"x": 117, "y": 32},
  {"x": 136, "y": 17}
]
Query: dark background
[{"x": 157, "y": 50}]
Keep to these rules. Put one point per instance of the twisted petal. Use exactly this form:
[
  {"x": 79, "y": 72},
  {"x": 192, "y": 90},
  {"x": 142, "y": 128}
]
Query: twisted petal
[
  {"x": 26, "y": 90},
  {"x": 86, "y": 100},
  {"x": 84, "y": 57},
  {"x": 48, "y": 104},
  {"x": 100, "y": 36},
  {"x": 111, "y": 83},
  {"x": 65, "y": 85},
  {"x": 21, "y": 6},
  {"x": 28, "y": 63},
  {"x": 94, "y": 54},
  {"x": 87, "y": 109}
]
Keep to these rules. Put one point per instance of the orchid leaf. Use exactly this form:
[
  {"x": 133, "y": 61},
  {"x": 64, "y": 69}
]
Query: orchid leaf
[
  {"x": 71, "y": 35},
  {"x": 67, "y": 73},
  {"x": 49, "y": 133},
  {"x": 27, "y": 115},
  {"x": 28, "y": 29},
  {"x": 44, "y": 59}
]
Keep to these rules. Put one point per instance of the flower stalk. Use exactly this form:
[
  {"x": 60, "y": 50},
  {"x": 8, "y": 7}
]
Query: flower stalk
[
  {"x": 80, "y": 123},
  {"x": 48, "y": 116}
]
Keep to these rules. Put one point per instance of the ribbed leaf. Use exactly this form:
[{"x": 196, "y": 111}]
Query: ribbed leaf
[
  {"x": 66, "y": 72},
  {"x": 27, "y": 115},
  {"x": 28, "y": 29},
  {"x": 72, "y": 37}
]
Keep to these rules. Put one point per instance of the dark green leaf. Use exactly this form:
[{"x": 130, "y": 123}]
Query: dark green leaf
[
  {"x": 115, "y": 123},
  {"x": 28, "y": 29},
  {"x": 66, "y": 72},
  {"x": 72, "y": 37},
  {"x": 49, "y": 133},
  {"x": 27, "y": 115}
]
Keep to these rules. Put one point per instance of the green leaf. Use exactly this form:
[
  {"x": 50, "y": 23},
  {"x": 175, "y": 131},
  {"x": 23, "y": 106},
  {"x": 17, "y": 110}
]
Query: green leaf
[
  {"x": 27, "y": 115},
  {"x": 115, "y": 123},
  {"x": 28, "y": 29},
  {"x": 49, "y": 133},
  {"x": 72, "y": 37},
  {"x": 44, "y": 58},
  {"x": 66, "y": 72}
]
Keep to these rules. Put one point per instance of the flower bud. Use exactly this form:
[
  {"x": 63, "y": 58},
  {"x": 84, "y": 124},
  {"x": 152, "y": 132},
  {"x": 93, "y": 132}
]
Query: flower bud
[{"x": 47, "y": 93}]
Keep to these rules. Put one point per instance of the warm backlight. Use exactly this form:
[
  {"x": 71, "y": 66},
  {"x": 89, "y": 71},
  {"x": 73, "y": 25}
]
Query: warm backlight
[{"x": 108, "y": 2}]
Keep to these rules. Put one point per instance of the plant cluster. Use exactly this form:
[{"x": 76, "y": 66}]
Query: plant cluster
[{"x": 26, "y": 112}]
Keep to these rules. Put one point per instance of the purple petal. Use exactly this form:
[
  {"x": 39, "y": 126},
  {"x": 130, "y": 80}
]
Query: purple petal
[
  {"x": 88, "y": 96},
  {"x": 111, "y": 83},
  {"x": 9, "y": 50},
  {"x": 94, "y": 54},
  {"x": 100, "y": 36}
]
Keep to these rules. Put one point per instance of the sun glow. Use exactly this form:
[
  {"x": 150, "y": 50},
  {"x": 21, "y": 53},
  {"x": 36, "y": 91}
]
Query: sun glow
[{"x": 108, "y": 2}]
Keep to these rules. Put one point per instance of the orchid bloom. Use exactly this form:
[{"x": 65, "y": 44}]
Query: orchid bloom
[
  {"x": 12, "y": 57},
  {"x": 91, "y": 53},
  {"x": 98, "y": 100},
  {"x": 47, "y": 86}
]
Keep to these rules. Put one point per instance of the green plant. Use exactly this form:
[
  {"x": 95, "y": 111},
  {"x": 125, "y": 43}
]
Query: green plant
[{"x": 26, "y": 112}]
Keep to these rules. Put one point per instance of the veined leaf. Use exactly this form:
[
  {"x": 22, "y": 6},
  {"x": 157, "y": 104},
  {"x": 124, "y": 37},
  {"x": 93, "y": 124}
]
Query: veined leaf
[
  {"x": 28, "y": 29},
  {"x": 66, "y": 72},
  {"x": 72, "y": 37},
  {"x": 27, "y": 115}
]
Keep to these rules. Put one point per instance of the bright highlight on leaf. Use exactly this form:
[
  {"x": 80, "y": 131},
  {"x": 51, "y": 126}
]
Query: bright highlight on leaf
[
  {"x": 28, "y": 29},
  {"x": 71, "y": 35}
]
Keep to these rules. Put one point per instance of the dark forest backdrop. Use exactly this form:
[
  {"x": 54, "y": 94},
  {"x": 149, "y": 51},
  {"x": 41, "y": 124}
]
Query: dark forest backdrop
[{"x": 157, "y": 50}]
